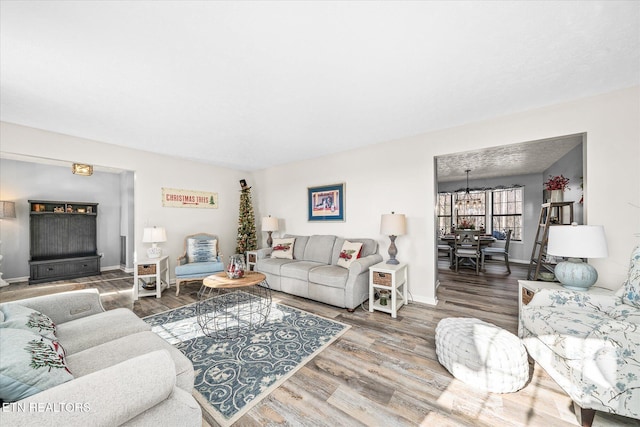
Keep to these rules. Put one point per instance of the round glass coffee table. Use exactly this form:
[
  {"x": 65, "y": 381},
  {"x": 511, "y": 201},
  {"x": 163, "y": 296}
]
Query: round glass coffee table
[{"x": 228, "y": 308}]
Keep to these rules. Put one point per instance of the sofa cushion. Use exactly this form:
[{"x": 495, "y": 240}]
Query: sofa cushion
[
  {"x": 87, "y": 332},
  {"x": 199, "y": 268},
  {"x": 329, "y": 275},
  {"x": 202, "y": 250},
  {"x": 21, "y": 317},
  {"x": 298, "y": 269},
  {"x": 29, "y": 364},
  {"x": 272, "y": 265},
  {"x": 113, "y": 352},
  {"x": 350, "y": 252},
  {"x": 283, "y": 248},
  {"x": 319, "y": 249},
  {"x": 631, "y": 292}
]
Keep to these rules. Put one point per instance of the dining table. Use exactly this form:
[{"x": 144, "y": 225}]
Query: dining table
[{"x": 450, "y": 239}]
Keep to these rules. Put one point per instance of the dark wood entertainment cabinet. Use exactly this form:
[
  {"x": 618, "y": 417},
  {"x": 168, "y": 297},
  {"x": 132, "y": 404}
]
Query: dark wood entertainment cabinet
[{"x": 63, "y": 242}]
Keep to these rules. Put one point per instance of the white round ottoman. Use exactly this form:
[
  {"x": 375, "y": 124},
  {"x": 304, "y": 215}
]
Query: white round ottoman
[{"x": 482, "y": 354}]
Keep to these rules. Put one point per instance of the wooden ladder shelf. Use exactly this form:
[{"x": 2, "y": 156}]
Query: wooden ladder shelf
[{"x": 551, "y": 214}]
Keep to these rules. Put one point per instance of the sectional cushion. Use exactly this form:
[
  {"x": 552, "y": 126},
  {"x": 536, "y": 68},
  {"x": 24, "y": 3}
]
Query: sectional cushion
[
  {"x": 272, "y": 265},
  {"x": 319, "y": 249},
  {"x": 202, "y": 250},
  {"x": 29, "y": 364},
  {"x": 283, "y": 248},
  {"x": 329, "y": 275},
  {"x": 113, "y": 352},
  {"x": 21, "y": 317},
  {"x": 86, "y": 332},
  {"x": 298, "y": 270}
]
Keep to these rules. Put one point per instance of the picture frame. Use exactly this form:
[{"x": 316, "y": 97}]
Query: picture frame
[{"x": 326, "y": 202}]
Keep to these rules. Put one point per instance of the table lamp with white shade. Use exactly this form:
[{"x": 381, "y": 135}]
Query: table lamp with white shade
[
  {"x": 154, "y": 235},
  {"x": 269, "y": 224},
  {"x": 575, "y": 242},
  {"x": 393, "y": 225}
]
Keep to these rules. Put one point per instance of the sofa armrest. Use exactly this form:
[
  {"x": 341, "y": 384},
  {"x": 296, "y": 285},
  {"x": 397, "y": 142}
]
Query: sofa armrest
[
  {"x": 363, "y": 264},
  {"x": 599, "y": 299},
  {"x": 108, "y": 397},
  {"x": 264, "y": 253},
  {"x": 65, "y": 306}
]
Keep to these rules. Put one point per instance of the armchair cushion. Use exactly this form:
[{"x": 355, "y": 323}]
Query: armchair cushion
[
  {"x": 199, "y": 268},
  {"x": 631, "y": 293},
  {"x": 202, "y": 250}
]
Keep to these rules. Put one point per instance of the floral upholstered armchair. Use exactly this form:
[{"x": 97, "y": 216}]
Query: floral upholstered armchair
[
  {"x": 201, "y": 258},
  {"x": 589, "y": 343}
]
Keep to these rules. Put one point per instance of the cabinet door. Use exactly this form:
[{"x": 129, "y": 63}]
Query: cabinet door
[
  {"x": 48, "y": 236},
  {"x": 82, "y": 235}
]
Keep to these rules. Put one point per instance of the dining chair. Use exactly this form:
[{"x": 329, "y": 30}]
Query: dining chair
[
  {"x": 446, "y": 248},
  {"x": 467, "y": 245},
  {"x": 503, "y": 252}
]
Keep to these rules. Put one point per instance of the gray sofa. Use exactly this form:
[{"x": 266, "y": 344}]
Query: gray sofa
[
  {"x": 123, "y": 374},
  {"x": 313, "y": 272}
]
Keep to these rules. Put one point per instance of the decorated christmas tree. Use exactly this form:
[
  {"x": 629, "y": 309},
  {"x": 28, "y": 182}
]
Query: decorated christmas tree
[{"x": 247, "y": 240}]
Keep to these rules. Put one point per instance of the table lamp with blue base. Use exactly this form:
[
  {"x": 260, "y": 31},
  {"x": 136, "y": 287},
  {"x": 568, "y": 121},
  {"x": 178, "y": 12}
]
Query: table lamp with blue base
[{"x": 575, "y": 242}]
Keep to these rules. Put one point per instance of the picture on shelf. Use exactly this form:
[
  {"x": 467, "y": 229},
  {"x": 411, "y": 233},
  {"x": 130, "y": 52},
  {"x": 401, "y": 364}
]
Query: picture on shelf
[{"x": 89, "y": 209}]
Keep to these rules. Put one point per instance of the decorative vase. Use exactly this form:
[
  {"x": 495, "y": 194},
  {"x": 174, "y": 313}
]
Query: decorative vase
[
  {"x": 556, "y": 196},
  {"x": 236, "y": 267}
]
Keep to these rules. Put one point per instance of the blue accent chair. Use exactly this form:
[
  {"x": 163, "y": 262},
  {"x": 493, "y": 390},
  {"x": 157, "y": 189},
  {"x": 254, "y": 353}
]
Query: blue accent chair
[{"x": 205, "y": 256}]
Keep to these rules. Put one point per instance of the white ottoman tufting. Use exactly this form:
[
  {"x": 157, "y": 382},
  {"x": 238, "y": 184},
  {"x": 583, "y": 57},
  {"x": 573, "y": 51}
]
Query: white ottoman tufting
[{"x": 482, "y": 354}]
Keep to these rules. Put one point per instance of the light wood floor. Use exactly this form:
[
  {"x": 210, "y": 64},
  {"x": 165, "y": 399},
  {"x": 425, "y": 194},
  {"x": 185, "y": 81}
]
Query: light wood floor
[{"x": 383, "y": 371}]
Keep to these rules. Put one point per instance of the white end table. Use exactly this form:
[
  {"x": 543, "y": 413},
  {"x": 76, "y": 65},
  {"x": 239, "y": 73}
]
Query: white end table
[
  {"x": 390, "y": 278},
  {"x": 148, "y": 270}
]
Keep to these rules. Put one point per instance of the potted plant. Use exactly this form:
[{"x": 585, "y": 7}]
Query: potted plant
[
  {"x": 556, "y": 185},
  {"x": 466, "y": 225}
]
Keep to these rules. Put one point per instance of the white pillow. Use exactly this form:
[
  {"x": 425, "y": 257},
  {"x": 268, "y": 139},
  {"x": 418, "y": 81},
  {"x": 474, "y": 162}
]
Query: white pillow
[
  {"x": 349, "y": 253},
  {"x": 199, "y": 250},
  {"x": 21, "y": 317},
  {"x": 283, "y": 248}
]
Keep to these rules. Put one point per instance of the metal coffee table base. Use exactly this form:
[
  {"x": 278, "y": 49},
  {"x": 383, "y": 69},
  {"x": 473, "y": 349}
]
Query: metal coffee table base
[{"x": 225, "y": 313}]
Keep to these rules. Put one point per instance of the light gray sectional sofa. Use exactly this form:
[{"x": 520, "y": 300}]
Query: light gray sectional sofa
[
  {"x": 118, "y": 371},
  {"x": 313, "y": 272}
]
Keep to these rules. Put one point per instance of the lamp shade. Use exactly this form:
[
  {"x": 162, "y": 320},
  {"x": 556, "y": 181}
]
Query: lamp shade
[
  {"x": 269, "y": 224},
  {"x": 7, "y": 209},
  {"x": 393, "y": 224},
  {"x": 154, "y": 235},
  {"x": 577, "y": 241}
]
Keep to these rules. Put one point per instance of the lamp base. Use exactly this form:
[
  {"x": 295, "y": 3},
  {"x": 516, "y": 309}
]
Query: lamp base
[
  {"x": 154, "y": 252},
  {"x": 393, "y": 251},
  {"x": 576, "y": 275}
]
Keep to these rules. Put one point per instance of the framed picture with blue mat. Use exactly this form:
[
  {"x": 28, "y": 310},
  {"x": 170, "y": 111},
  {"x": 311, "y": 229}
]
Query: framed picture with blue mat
[{"x": 326, "y": 203}]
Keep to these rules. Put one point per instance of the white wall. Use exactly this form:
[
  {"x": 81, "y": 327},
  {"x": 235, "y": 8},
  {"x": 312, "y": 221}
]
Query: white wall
[
  {"x": 152, "y": 172},
  {"x": 399, "y": 176},
  {"x": 36, "y": 181},
  {"x": 570, "y": 166}
]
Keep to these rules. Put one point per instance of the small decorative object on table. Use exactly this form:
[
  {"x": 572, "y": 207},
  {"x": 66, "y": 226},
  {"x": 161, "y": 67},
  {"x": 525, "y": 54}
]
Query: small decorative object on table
[{"x": 236, "y": 267}]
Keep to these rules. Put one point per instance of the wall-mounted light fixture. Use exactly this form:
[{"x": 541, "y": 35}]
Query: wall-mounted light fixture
[{"x": 82, "y": 169}]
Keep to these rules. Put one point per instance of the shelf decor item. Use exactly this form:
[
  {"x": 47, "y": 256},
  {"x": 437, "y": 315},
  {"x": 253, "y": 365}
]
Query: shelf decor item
[
  {"x": 154, "y": 235},
  {"x": 393, "y": 225},
  {"x": 236, "y": 267},
  {"x": 576, "y": 242},
  {"x": 556, "y": 185}
]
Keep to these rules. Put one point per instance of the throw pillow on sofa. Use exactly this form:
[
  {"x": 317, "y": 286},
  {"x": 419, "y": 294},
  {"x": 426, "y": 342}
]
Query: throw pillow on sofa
[
  {"x": 283, "y": 248},
  {"x": 199, "y": 250},
  {"x": 29, "y": 364},
  {"x": 21, "y": 317},
  {"x": 349, "y": 253}
]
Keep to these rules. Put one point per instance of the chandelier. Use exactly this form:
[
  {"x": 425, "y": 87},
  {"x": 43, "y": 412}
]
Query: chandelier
[{"x": 468, "y": 200}]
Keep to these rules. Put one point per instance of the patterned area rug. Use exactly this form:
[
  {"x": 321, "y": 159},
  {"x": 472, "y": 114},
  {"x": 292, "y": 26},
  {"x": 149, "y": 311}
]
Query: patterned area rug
[{"x": 232, "y": 375}]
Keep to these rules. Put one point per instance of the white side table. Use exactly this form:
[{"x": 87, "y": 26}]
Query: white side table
[
  {"x": 148, "y": 270},
  {"x": 391, "y": 278},
  {"x": 252, "y": 259}
]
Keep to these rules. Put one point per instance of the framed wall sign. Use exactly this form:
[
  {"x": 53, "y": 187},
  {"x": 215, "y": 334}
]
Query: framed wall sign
[
  {"x": 326, "y": 203},
  {"x": 174, "y": 198}
]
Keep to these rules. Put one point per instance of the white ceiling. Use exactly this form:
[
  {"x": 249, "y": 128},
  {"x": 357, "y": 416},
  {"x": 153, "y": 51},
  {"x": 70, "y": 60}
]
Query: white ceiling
[{"x": 251, "y": 85}]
